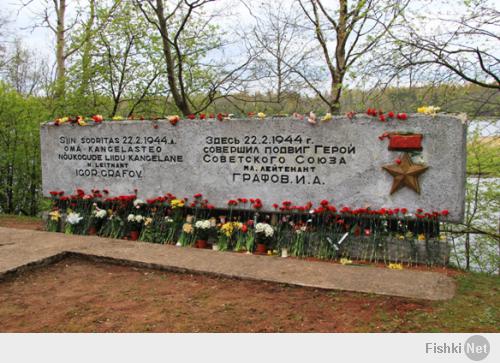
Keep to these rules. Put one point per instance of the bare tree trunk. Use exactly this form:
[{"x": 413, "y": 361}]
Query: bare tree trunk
[
  {"x": 86, "y": 56},
  {"x": 179, "y": 100},
  {"x": 60, "y": 44}
]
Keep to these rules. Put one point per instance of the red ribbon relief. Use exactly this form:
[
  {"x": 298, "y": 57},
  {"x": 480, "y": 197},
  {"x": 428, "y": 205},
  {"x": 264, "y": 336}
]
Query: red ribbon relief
[{"x": 405, "y": 142}]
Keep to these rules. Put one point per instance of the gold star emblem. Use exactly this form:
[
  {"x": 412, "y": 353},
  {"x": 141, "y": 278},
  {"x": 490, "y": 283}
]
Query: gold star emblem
[{"x": 405, "y": 173}]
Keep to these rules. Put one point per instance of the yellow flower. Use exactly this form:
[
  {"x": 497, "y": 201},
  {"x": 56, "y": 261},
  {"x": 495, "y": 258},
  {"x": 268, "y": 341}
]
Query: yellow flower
[
  {"x": 81, "y": 121},
  {"x": 395, "y": 266},
  {"x": 227, "y": 229},
  {"x": 442, "y": 237},
  {"x": 62, "y": 120},
  {"x": 177, "y": 203},
  {"x": 55, "y": 215},
  {"x": 421, "y": 237},
  {"x": 117, "y": 118},
  {"x": 327, "y": 117},
  {"x": 401, "y": 237},
  {"x": 187, "y": 228},
  {"x": 345, "y": 261},
  {"x": 261, "y": 115},
  {"x": 428, "y": 110},
  {"x": 148, "y": 221}
]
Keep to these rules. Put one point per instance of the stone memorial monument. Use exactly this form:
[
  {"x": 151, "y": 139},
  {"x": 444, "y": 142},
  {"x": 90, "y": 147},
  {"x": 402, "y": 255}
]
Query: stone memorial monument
[{"x": 355, "y": 161}]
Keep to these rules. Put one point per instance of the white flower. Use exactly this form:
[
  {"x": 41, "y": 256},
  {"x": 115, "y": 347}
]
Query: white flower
[
  {"x": 73, "y": 218},
  {"x": 100, "y": 213},
  {"x": 139, "y": 218},
  {"x": 264, "y": 228},
  {"x": 168, "y": 219},
  {"x": 204, "y": 224},
  {"x": 131, "y": 218},
  {"x": 138, "y": 202}
]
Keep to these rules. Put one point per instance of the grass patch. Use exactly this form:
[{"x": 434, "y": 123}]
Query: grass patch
[{"x": 475, "y": 308}]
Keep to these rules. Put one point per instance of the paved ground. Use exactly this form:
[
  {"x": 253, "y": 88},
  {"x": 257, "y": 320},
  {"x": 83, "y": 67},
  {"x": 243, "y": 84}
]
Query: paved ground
[{"x": 22, "y": 249}]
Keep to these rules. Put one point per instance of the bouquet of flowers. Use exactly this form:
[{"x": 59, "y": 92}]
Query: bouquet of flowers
[
  {"x": 72, "y": 221},
  {"x": 203, "y": 229},
  {"x": 53, "y": 222},
  {"x": 187, "y": 236}
]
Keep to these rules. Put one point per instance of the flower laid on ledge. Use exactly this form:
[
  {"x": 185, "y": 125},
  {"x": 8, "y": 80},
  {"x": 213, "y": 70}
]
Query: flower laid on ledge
[
  {"x": 328, "y": 117},
  {"x": 395, "y": 266},
  {"x": 312, "y": 118},
  {"x": 428, "y": 110},
  {"x": 173, "y": 119},
  {"x": 97, "y": 118},
  {"x": 221, "y": 116},
  {"x": 345, "y": 261},
  {"x": 384, "y": 117}
]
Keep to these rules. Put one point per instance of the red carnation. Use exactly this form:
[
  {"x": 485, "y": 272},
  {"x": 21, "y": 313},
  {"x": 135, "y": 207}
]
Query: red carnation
[
  {"x": 191, "y": 116},
  {"x": 232, "y": 202},
  {"x": 198, "y": 195},
  {"x": 173, "y": 120},
  {"x": 97, "y": 118},
  {"x": 398, "y": 161},
  {"x": 211, "y": 115},
  {"x": 404, "y": 210},
  {"x": 402, "y": 116},
  {"x": 390, "y": 114},
  {"x": 275, "y": 206},
  {"x": 220, "y": 116},
  {"x": 244, "y": 228},
  {"x": 381, "y": 117},
  {"x": 420, "y": 210},
  {"x": 445, "y": 212},
  {"x": 53, "y": 193},
  {"x": 203, "y": 116},
  {"x": 324, "y": 202}
]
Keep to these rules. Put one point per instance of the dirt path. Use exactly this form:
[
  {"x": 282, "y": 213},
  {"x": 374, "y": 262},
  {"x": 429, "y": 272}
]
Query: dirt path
[{"x": 82, "y": 296}]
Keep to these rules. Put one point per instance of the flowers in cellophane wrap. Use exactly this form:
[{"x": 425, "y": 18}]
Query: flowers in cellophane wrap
[
  {"x": 97, "y": 217},
  {"x": 72, "y": 222},
  {"x": 226, "y": 233},
  {"x": 264, "y": 233},
  {"x": 187, "y": 235},
  {"x": 298, "y": 245},
  {"x": 54, "y": 221},
  {"x": 168, "y": 231},
  {"x": 147, "y": 230}
]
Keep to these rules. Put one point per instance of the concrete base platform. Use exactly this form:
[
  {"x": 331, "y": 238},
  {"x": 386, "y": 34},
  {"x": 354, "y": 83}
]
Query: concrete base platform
[{"x": 24, "y": 249}]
